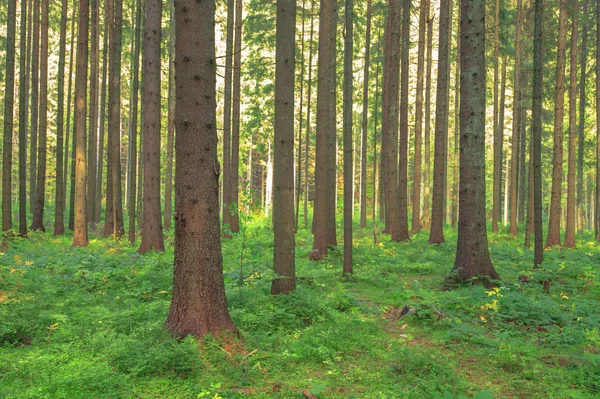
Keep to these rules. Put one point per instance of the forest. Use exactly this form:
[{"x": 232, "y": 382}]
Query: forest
[{"x": 300, "y": 199}]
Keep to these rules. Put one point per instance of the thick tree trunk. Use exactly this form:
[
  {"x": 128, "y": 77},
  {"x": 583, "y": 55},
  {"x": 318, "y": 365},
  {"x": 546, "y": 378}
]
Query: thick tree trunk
[
  {"x": 9, "y": 89},
  {"x": 325, "y": 122},
  {"x": 581, "y": 127},
  {"x": 80, "y": 235},
  {"x": 198, "y": 305},
  {"x": 571, "y": 218},
  {"x": 227, "y": 118},
  {"x": 365, "y": 123},
  {"x": 537, "y": 132},
  {"x": 59, "y": 207},
  {"x": 497, "y": 179},
  {"x": 152, "y": 233},
  {"x": 40, "y": 193},
  {"x": 426, "y": 220},
  {"x": 557, "y": 156},
  {"x": 35, "y": 94},
  {"x": 348, "y": 148},
  {"x": 436, "y": 234},
  {"x": 283, "y": 173},
  {"x": 234, "y": 224},
  {"x": 23, "y": 59},
  {"x": 472, "y": 256},
  {"x": 168, "y": 215},
  {"x": 403, "y": 155}
]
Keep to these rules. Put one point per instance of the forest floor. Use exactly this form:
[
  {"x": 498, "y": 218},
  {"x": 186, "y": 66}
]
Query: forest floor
[{"x": 88, "y": 323}]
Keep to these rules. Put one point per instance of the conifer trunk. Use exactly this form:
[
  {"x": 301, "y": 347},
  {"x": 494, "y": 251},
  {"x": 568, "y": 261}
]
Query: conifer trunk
[{"x": 571, "y": 208}]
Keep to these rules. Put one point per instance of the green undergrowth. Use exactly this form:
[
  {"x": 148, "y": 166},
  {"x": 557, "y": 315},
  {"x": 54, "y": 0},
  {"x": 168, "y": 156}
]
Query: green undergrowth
[{"x": 88, "y": 323}]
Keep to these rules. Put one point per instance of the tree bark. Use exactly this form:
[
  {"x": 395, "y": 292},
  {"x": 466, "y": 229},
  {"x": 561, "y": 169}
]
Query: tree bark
[
  {"x": 454, "y": 204},
  {"x": 168, "y": 214},
  {"x": 497, "y": 180},
  {"x": 9, "y": 89},
  {"x": 308, "y": 109},
  {"x": 35, "y": 94},
  {"x": 100, "y": 167},
  {"x": 300, "y": 131},
  {"x": 597, "y": 194},
  {"x": 436, "y": 234},
  {"x": 59, "y": 207},
  {"x": 152, "y": 233},
  {"x": 348, "y": 148},
  {"x": 23, "y": 59},
  {"x": 235, "y": 132},
  {"x": 80, "y": 235},
  {"x": 365, "y": 123},
  {"x": 283, "y": 173},
  {"x": 198, "y": 305},
  {"x": 426, "y": 220},
  {"x": 403, "y": 155},
  {"x": 571, "y": 208},
  {"x": 557, "y": 156},
  {"x": 581, "y": 127},
  {"x": 92, "y": 161},
  {"x": 537, "y": 132},
  {"x": 68, "y": 138},
  {"x": 227, "y": 118}
]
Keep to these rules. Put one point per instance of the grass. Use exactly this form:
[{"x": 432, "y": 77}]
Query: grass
[{"x": 88, "y": 323}]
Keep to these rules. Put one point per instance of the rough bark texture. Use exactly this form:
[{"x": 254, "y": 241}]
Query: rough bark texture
[
  {"x": 40, "y": 193},
  {"x": 70, "y": 111},
  {"x": 559, "y": 108},
  {"x": 235, "y": 131},
  {"x": 348, "y": 148},
  {"x": 325, "y": 122},
  {"x": 92, "y": 162},
  {"x": 436, "y": 234},
  {"x": 23, "y": 122},
  {"x": 198, "y": 305},
  {"x": 403, "y": 155},
  {"x": 426, "y": 220},
  {"x": 581, "y": 215},
  {"x": 472, "y": 256},
  {"x": 152, "y": 233},
  {"x": 571, "y": 218},
  {"x": 9, "y": 89},
  {"x": 35, "y": 93},
  {"x": 365, "y": 123},
  {"x": 297, "y": 188},
  {"x": 59, "y": 207},
  {"x": 537, "y": 132},
  {"x": 514, "y": 163},
  {"x": 497, "y": 179},
  {"x": 80, "y": 235},
  {"x": 227, "y": 117},
  {"x": 283, "y": 172},
  {"x": 168, "y": 214}
]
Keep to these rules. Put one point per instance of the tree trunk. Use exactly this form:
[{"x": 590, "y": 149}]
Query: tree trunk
[
  {"x": 80, "y": 235},
  {"x": 497, "y": 179},
  {"x": 40, "y": 193},
  {"x": 597, "y": 194},
  {"x": 170, "y": 122},
  {"x": 325, "y": 122},
  {"x": 454, "y": 205},
  {"x": 571, "y": 218},
  {"x": 365, "y": 123},
  {"x": 403, "y": 156},
  {"x": 100, "y": 167},
  {"x": 69, "y": 108},
  {"x": 23, "y": 121},
  {"x": 235, "y": 132},
  {"x": 9, "y": 89},
  {"x": 514, "y": 164},
  {"x": 502, "y": 203},
  {"x": 375, "y": 112},
  {"x": 300, "y": 131},
  {"x": 227, "y": 118},
  {"x": 557, "y": 156},
  {"x": 93, "y": 118},
  {"x": 436, "y": 234},
  {"x": 198, "y": 305},
  {"x": 537, "y": 132},
  {"x": 348, "y": 148},
  {"x": 283, "y": 173},
  {"x": 35, "y": 93},
  {"x": 152, "y": 233},
  {"x": 59, "y": 207},
  {"x": 581, "y": 126},
  {"x": 308, "y": 109},
  {"x": 426, "y": 220},
  {"x": 109, "y": 220},
  {"x": 472, "y": 256},
  {"x": 529, "y": 225}
]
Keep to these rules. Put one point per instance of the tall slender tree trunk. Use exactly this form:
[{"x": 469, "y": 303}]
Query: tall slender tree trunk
[
  {"x": 416, "y": 200},
  {"x": 597, "y": 194},
  {"x": 529, "y": 225},
  {"x": 80, "y": 236},
  {"x": 283, "y": 173},
  {"x": 23, "y": 60},
  {"x": 227, "y": 117},
  {"x": 557, "y": 156},
  {"x": 497, "y": 180},
  {"x": 35, "y": 94},
  {"x": 59, "y": 207},
  {"x": 93, "y": 115},
  {"x": 455, "y": 182},
  {"x": 436, "y": 234},
  {"x": 403, "y": 155},
  {"x": 100, "y": 167},
  {"x": 537, "y": 131},
  {"x": 375, "y": 112},
  {"x": 40, "y": 193},
  {"x": 168, "y": 214},
  {"x": 325, "y": 122},
  {"x": 70, "y": 113},
  {"x": 236, "y": 114},
  {"x": 300, "y": 131},
  {"x": 502, "y": 203},
  {"x": 426, "y": 220},
  {"x": 472, "y": 256},
  {"x": 109, "y": 220},
  {"x": 308, "y": 109},
  {"x": 9, "y": 92},
  {"x": 581, "y": 126},
  {"x": 365, "y": 122},
  {"x": 133, "y": 117},
  {"x": 198, "y": 305},
  {"x": 514, "y": 164},
  {"x": 571, "y": 215},
  {"x": 348, "y": 148},
  {"x": 152, "y": 233}
]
